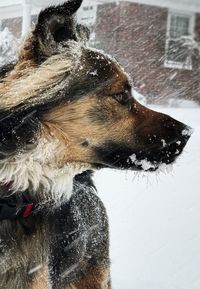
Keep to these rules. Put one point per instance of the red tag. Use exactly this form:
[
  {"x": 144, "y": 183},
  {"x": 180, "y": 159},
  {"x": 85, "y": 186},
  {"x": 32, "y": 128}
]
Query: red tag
[{"x": 27, "y": 211}]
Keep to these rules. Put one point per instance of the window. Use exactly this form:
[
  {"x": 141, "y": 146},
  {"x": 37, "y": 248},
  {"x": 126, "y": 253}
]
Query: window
[
  {"x": 87, "y": 8},
  {"x": 87, "y": 14},
  {"x": 179, "y": 37}
]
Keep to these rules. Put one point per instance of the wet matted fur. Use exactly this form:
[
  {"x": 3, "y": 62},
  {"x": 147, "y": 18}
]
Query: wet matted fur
[{"x": 66, "y": 110}]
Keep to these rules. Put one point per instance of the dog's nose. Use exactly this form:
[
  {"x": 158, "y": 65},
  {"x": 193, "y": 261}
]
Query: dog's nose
[{"x": 175, "y": 131}]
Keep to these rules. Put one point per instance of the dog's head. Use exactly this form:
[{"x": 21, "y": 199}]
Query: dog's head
[{"x": 79, "y": 100}]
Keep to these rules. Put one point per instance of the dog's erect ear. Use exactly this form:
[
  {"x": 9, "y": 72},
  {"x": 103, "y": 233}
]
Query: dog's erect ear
[{"x": 56, "y": 25}]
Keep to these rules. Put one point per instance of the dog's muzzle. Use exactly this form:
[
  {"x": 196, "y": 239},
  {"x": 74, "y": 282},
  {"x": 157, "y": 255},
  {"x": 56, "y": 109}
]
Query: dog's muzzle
[
  {"x": 164, "y": 151},
  {"x": 150, "y": 153}
]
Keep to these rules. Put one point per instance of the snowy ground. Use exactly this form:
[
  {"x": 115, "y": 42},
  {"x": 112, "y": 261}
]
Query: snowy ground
[{"x": 155, "y": 220}]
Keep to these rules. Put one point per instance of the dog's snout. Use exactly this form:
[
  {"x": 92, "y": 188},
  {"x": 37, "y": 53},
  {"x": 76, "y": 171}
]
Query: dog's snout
[{"x": 160, "y": 138}]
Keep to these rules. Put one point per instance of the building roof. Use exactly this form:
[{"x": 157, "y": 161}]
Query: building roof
[{"x": 13, "y": 8}]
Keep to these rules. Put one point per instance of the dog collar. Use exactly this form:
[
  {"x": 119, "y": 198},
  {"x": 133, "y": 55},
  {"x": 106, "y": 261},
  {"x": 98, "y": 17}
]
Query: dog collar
[{"x": 9, "y": 211}]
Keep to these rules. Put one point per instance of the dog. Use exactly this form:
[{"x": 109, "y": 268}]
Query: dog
[{"x": 66, "y": 110}]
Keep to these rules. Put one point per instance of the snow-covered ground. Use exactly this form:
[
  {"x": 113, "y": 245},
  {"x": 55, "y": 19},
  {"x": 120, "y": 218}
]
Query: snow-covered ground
[{"x": 155, "y": 219}]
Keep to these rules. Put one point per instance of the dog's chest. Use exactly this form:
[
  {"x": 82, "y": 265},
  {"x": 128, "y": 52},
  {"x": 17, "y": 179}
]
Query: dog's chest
[{"x": 23, "y": 251}]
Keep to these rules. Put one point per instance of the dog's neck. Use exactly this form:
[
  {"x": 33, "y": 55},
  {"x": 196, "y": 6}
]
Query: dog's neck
[{"x": 33, "y": 171}]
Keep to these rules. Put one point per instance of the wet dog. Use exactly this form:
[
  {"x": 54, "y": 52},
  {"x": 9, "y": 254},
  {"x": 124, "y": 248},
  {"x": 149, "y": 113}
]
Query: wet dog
[{"x": 66, "y": 110}]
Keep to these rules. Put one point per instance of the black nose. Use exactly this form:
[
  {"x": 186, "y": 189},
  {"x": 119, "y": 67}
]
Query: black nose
[
  {"x": 171, "y": 146},
  {"x": 175, "y": 131}
]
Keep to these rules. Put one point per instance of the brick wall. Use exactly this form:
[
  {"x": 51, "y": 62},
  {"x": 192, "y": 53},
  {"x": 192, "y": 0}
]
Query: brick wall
[{"x": 135, "y": 34}]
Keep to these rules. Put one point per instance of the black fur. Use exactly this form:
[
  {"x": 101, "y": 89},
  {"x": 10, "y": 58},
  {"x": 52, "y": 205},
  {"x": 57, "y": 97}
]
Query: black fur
[
  {"x": 55, "y": 25},
  {"x": 81, "y": 235},
  {"x": 113, "y": 154},
  {"x": 18, "y": 129},
  {"x": 65, "y": 10}
]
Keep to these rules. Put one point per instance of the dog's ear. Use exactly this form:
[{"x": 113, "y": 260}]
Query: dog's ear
[
  {"x": 56, "y": 26},
  {"x": 83, "y": 33}
]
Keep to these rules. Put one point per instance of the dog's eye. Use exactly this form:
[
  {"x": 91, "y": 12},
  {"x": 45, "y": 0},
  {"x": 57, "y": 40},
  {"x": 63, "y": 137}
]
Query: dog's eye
[{"x": 122, "y": 97}]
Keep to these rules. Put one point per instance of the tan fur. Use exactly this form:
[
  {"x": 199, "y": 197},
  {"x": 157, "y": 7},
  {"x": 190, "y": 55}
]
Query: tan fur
[
  {"x": 25, "y": 63},
  {"x": 95, "y": 278},
  {"x": 17, "y": 267},
  {"x": 70, "y": 124},
  {"x": 32, "y": 83},
  {"x": 119, "y": 81},
  {"x": 41, "y": 281},
  {"x": 28, "y": 86},
  {"x": 40, "y": 170},
  {"x": 26, "y": 52}
]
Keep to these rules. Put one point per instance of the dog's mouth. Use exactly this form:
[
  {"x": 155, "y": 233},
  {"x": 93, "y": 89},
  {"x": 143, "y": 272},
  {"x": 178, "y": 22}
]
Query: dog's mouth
[{"x": 152, "y": 159}]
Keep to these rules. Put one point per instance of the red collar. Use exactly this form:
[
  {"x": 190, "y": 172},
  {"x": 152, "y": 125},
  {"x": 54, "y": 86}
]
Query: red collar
[
  {"x": 27, "y": 210},
  {"x": 9, "y": 211}
]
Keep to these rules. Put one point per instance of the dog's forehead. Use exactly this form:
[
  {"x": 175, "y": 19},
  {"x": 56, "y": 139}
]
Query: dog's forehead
[
  {"x": 102, "y": 62},
  {"x": 74, "y": 72},
  {"x": 100, "y": 69}
]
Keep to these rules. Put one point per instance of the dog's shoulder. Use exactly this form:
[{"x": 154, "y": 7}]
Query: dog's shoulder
[
  {"x": 81, "y": 231},
  {"x": 84, "y": 208}
]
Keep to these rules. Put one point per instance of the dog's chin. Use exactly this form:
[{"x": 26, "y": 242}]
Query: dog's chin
[
  {"x": 133, "y": 164},
  {"x": 128, "y": 164}
]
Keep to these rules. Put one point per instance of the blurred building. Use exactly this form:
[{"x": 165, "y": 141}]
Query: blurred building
[{"x": 157, "y": 41}]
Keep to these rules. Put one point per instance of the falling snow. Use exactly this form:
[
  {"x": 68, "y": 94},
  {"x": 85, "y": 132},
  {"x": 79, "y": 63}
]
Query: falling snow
[{"x": 154, "y": 217}]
